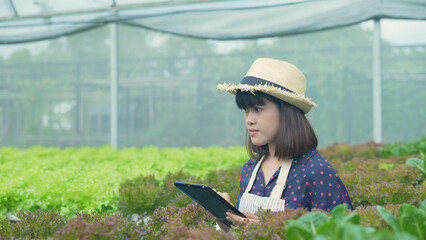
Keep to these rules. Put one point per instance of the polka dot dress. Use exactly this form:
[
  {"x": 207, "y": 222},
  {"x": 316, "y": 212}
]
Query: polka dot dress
[{"x": 312, "y": 183}]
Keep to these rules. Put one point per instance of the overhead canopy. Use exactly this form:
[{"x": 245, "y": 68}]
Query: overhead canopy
[{"x": 222, "y": 20}]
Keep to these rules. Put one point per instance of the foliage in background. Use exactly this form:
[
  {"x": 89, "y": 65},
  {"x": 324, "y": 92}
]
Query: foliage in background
[
  {"x": 151, "y": 207},
  {"x": 346, "y": 152},
  {"x": 97, "y": 226},
  {"x": 173, "y": 220},
  {"x": 404, "y": 149},
  {"x": 105, "y": 179},
  {"x": 370, "y": 180},
  {"x": 419, "y": 163},
  {"x": 45, "y": 225},
  {"x": 193, "y": 222},
  {"x": 31, "y": 225},
  {"x": 144, "y": 194},
  {"x": 88, "y": 179}
]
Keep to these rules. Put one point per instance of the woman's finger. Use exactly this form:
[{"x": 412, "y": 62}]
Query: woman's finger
[
  {"x": 235, "y": 219},
  {"x": 225, "y": 196},
  {"x": 249, "y": 215}
]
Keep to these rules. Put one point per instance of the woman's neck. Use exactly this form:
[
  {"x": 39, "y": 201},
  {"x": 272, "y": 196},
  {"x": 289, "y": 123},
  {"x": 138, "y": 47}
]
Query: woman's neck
[
  {"x": 271, "y": 154},
  {"x": 270, "y": 164},
  {"x": 271, "y": 148}
]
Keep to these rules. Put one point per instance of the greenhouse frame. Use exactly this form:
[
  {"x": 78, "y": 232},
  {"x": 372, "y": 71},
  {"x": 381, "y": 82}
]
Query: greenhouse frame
[{"x": 217, "y": 21}]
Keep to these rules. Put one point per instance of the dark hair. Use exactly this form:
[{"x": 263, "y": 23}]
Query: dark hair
[{"x": 296, "y": 135}]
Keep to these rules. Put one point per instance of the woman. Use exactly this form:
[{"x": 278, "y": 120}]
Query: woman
[{"x": 285, "y": 169}]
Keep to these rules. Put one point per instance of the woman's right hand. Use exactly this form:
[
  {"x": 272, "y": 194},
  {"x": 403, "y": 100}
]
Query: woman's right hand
[{"x": 234, "y": 218}]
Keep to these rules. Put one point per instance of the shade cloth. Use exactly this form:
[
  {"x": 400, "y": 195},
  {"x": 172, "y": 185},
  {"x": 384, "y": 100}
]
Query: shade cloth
[{"x": 222, "y": 20}]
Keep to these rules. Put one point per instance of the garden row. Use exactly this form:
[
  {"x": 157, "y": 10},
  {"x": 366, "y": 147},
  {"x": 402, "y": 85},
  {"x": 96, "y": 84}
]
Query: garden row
[
  {"x": 373, "y": 174},
  {"x": 192, "y": 222},
  {"x": 88, "y": 179}
]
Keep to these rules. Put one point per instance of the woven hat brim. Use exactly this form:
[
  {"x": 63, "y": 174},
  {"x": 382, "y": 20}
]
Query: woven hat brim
[{"x": 304, "y": 104}]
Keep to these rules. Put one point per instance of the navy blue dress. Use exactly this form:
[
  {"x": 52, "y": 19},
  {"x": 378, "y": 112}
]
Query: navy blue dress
[{"x": 311, "y": 183}]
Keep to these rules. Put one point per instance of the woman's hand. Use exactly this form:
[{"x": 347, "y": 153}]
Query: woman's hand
[
  {"x": 225, "y": 196},
  {"x": 235, "y": 219}
]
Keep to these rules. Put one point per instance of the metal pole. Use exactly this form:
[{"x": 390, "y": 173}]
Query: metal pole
[
  {"x": 377, "y": 89},
  {"x": 114, "y": 83},
  {"x": 15, "y": 13}
]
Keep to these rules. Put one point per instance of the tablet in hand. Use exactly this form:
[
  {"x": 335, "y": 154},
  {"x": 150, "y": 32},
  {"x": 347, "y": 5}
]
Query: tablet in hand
[{"x": 210, "y": 200}]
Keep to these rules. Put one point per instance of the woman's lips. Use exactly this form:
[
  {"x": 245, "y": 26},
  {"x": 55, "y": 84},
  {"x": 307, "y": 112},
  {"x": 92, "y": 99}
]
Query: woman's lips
[{"x": 253, "y": 132}]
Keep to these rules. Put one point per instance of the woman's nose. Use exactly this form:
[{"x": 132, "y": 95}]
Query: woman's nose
[{"x": 250, "y": 120}]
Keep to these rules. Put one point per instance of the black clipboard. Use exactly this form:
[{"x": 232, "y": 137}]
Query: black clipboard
[{"x": 209, "y": 199}]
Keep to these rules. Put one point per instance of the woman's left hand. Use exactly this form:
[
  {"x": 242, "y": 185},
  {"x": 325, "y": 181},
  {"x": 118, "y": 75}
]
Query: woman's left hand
[{"x": 235, "y": 219}]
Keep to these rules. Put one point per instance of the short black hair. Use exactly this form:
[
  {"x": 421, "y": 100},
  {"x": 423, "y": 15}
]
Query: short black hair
[{"x": 296, "y": 135}]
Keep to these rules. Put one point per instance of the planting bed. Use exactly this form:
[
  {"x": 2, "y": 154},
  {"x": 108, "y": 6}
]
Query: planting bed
[{"x": 103, "y": 193}]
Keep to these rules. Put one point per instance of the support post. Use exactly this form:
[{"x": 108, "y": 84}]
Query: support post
[
  {"x": 377, "y": 89},
  {"x": 77, "y": 99},
  {"x": 114, "y": 84}
]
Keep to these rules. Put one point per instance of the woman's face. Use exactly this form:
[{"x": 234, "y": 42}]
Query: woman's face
[{"x": 262, "y": 123}]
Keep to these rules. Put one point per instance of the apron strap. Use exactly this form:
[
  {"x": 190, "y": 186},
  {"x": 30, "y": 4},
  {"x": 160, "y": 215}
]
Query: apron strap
[
  {"x": 253, "y": 175},
  {"x": 282, "y": 179}
]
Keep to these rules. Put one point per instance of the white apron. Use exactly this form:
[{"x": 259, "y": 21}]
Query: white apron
[{"x": 251, "y": 202}]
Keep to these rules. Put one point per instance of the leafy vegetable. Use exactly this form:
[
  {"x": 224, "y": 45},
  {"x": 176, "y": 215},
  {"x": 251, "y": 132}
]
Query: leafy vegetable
[
  {"x": 411, "y": 220},
  {"x": 418, "y": 163},
  {"x": 404, "y": 149},
  {"x": 337, "y": 225},
  {"x": 88, "y": 179},
  {"x": 138, "y": 183},
  {"x": 31, "y": 225},
  {"x": 99, "y": 227}
]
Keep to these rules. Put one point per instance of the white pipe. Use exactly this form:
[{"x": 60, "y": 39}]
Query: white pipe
[
  {"x": 114, "y": 84},
  {"x": 377, "y": 89}
]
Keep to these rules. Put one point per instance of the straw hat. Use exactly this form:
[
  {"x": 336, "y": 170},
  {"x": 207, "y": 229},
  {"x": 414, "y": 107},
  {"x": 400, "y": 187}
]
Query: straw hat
[{"x": 277, "y": 78}]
